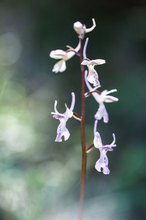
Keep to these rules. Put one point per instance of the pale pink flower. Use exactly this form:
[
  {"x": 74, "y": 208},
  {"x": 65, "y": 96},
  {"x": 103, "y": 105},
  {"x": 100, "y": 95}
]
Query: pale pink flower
[
  {"x": 102, "y": 163},
  {"x": 92, "y": 74},
  {"x": 63, "y": 56},
  {"x": 62, "y": 130},
  {"x": 101, "y": 99}
]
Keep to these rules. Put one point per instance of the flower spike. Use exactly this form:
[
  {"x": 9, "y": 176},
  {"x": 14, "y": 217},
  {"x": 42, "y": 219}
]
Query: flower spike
[{"x": 91, "y": 78}]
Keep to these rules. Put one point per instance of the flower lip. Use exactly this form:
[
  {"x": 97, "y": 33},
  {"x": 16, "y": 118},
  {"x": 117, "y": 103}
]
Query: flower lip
[
  {"x": 60, "y": 66},
  {"x": 102, "y": 165}
]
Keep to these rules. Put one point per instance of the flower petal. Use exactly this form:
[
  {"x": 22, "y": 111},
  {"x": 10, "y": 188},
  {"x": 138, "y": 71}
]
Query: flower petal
[
  {"x": 91, "y": 28},
  {"x": 97, "y": 138},
  {"x": 68, "y": 114},
  {"x": 102, "y": 113},
  {"x": 85, "y": 62},
  {"x": 106, "y": 170},
  {"x": 102, "y": 164},
  {"x": 110, "y": 99},
  {"x": 57, "y": 116},
  {"x": 57, "y": 54},
  {"x": 97, "y": 62},
  {"x": 60, "y": 66},
  {"x": 98, "y": 166},
  {"x": 66, "y": 134},
  {"x": 72, "y": 102},
  {"x": 69, "y": 55},
  {"x": 108, "y": 147},
  {"x": 62, "y": 131}
]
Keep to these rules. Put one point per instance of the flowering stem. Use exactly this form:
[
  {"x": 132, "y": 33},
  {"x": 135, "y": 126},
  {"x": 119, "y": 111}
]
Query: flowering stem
[{"x": 83, "y": 138}]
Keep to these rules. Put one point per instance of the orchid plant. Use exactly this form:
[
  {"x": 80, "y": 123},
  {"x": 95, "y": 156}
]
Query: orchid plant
[{"x": 90, "y": 80}]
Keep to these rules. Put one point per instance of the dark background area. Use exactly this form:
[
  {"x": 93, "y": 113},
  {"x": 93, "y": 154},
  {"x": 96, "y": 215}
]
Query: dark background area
[{"x": 40, "y": 179}]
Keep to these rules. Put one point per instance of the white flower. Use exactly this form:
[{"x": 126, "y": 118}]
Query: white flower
[
  {"x": 92, "y": 74},
  {"x": 81, "y": 29},
  {"x": 62, "y": 130},
  {"x": 60, "y": 66},
  {"x": 102, "y": 162},
  {"x": 101, "y": 98}
]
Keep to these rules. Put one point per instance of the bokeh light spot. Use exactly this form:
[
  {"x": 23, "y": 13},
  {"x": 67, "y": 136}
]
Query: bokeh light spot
[{"x": 10, "y": 48}]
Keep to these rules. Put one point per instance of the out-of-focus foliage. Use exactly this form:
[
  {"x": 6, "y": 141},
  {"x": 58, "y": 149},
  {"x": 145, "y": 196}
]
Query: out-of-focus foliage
[{"x": 39, "y": 179}]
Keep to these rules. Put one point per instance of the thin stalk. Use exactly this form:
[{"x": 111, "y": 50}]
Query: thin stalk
[{"x": 83, "y": 138}]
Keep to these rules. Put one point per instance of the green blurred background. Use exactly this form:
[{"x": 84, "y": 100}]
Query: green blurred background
[{"x": 40, "y": 179}]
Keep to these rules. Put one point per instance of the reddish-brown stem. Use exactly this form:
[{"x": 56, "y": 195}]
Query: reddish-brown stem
[{"x": 83, "y": 138}]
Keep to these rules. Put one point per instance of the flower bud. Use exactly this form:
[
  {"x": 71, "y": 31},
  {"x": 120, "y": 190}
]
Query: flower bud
[{"x": 79, "y": 28}]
